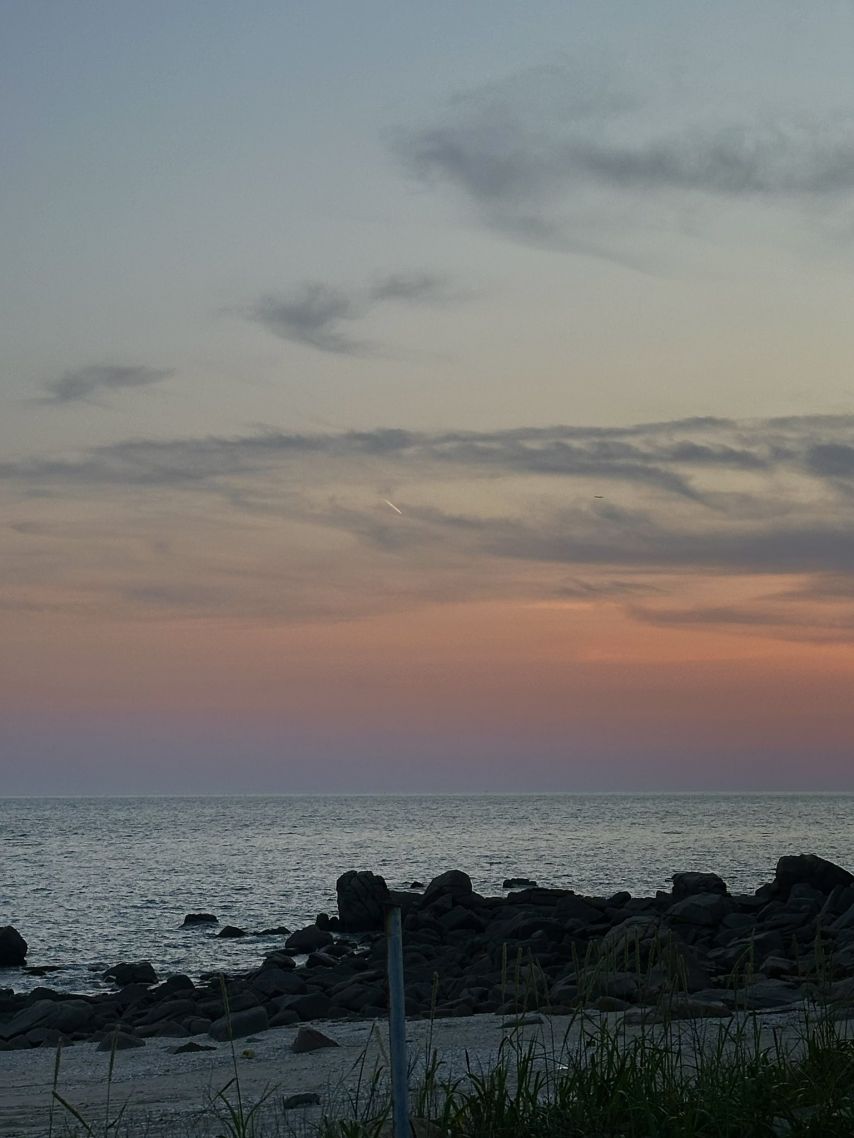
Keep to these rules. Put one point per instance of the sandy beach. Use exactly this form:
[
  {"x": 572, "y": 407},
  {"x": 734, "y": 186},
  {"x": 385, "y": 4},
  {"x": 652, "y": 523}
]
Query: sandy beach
[{"x": 170, "y": 1094}]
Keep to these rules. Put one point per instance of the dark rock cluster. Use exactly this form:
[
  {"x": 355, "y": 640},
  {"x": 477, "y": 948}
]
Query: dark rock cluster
[{"x": 697, "y": 950}]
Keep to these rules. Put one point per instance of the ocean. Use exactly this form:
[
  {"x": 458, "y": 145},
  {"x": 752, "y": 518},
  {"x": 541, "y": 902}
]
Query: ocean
[{"x": 92, "y": 881}]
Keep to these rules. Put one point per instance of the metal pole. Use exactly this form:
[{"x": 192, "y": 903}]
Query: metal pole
[{"x": 397, "y": 1024}]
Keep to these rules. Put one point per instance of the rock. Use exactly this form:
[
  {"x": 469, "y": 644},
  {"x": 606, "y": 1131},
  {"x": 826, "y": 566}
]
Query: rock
[
  {"x": 231, "y": 932},
  {"x": 572, "y": 908},
  {"x": 689, "y": 884},
  {"x": 13, "y": 947},
  {"x": 355, "y": 997},
  {"x": 278, "y": 982},
  {"x": 453, "y": 884},
  {"x": 362, "y": 897},
  {"x": 173, "y": 984},
  {"x": 169, "y": 1009},
  {"x": 707, "y": 909},
  {"x": 278, "y": 960},
  {"x": 845, "y": 921},
  {"x": 461, "y": 919},
  {"x": 808, "y": 869},
  {"x": 320, "y": 960},
  {"x": 70, "y": 1016},
  {"x": 340, "y": 949},
  {"x": 64, "y": 1015},
  {"x": 630, "y": 934},
  {"x": 36, "y": 1015},
  {"x": 776, "y": 967},
  {"x": 187, "y": 1048},
  {"x": 683, "y": 1007},
  {"x": 120, "y": 1041},
  {"x": 518, "y": 883},
  {"x": 618, "y": 900},
  {"x": 279, "y": 930},
  {"x": 199, "y": 919},
  {"x": 761, "y": 996},
  {"x": 165, "y": 1029},
  {"x": 284, "y": 1018},
  {"x": 308, "y": 939},
  {"x": 307, "y": 1098},
  {"x": 416, "y": 885},
  {"x": 310, "y": 1039},
  {"x": 43, "y": 1037},
  {"x": 313, "y": 1005},
  {"x": 239, "y": 1024},
  {"x": 610, "y": 1004},
  {"x": 594, "y": 983},
  {"x": 140, "y": 972}
]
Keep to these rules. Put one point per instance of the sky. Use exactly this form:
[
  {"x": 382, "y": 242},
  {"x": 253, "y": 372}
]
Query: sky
[{"x": 426, "y": 397}]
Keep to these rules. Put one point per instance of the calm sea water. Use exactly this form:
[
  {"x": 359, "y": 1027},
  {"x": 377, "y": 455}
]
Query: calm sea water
[{"x": 89, "y": 882}]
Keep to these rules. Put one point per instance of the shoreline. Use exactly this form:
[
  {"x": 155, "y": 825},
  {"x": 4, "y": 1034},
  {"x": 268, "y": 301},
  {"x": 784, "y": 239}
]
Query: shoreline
[
  {"x": 170, "y": 1093},
  {"x": 543, "y": 962},
  {"x": 532, "y": 949}
]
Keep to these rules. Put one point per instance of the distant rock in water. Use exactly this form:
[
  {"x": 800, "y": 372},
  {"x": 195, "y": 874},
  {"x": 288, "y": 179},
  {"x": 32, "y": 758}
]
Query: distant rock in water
[
  {"x": 278, "y": 930},
  {"x": 416, "y": 885},
  {"x": 231, "y": 932},
  {"x": 137, "y": 972},
  {"x": 808, "y": 869},
  {"x": 199, "y": 919},
  {"x": 13, "y": 947},
  {"x": 518, "y": 883},
  {"x": 309, "y": 939}
]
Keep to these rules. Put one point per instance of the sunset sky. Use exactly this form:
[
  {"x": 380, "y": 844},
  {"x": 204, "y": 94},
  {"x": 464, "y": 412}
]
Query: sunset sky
[{"x": 426, "y": 397}]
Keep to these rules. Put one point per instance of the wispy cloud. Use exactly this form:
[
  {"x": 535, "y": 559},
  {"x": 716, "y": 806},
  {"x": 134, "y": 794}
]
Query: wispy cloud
[
  {"x": 327, "y": 317},
  {"x": 595, "y": 511},
  {"x": 81, "y": 384},
  {"x": 542, "y": 154}
]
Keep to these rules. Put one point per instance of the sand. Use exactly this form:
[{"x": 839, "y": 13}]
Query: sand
[{"x": 168, "y": 1094}]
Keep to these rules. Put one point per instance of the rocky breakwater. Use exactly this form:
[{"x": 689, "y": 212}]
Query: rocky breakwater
[{"x": 695, "y": 950}]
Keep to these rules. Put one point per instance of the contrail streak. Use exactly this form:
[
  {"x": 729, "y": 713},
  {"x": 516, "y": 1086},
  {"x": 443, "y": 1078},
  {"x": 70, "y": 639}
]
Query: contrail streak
[{"x": 388, "y": 503}]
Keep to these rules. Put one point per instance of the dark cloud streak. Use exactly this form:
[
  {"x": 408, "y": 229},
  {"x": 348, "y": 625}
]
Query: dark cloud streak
[
  {"x": 324, "y": 317},
  {"x": 80, "y": 385},
  {"x": 525, "y": 153}
]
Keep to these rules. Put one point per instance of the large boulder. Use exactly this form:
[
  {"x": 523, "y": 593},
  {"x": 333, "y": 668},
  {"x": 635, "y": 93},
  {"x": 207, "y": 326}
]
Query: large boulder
[
  {"x": 309, "y": 939},
  {"x": 237, "y": 1025},
  {"x": 808, "y": 869},
  {"x": 704, "y": 909},
  {"x": 453, "y": 884},
  {"x": 690, "y": 884},
  {"x": 13, "y": 947},
  {"x": 137, "y": 972},
  {"x": 362, "y": 897}
]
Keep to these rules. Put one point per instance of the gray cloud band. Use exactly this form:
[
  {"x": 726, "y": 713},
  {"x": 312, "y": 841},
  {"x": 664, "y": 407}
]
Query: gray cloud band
[
  {"x": 657, "y": 495},
  {"x": 521, "y": 152},
  {"x": 83, "y": 383},
  {"x": 325, "y": 317}
]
